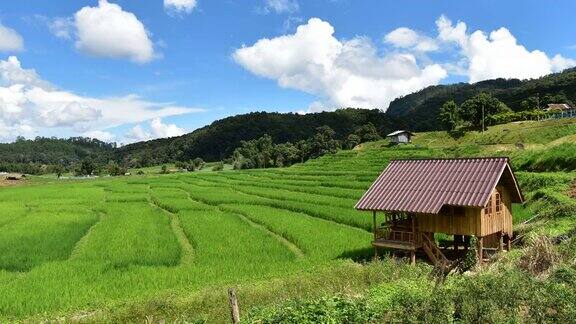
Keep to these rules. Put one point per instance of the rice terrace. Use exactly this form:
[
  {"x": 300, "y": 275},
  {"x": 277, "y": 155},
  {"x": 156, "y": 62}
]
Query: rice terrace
[
  {"x": 83, "y": 245},
  {"x": 287, "y": 161}
]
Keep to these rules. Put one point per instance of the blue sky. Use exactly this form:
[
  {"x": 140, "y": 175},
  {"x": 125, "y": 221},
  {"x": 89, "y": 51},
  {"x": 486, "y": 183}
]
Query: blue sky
[{"x": 127, "y": 70}]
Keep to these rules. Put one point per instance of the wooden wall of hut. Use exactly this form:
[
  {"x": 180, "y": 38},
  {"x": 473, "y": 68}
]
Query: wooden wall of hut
[
  {"x": 499, "y": 220},
  {"x": 452, "y": 220}
]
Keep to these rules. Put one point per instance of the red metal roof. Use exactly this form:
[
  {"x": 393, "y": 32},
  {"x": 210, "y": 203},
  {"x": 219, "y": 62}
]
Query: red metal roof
[{"x": 424, "y": 186}]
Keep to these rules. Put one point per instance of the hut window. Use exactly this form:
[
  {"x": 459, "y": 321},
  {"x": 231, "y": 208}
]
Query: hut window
[
  {"x": 498, "y": 203},
  {"x": 488, "y": 208}
]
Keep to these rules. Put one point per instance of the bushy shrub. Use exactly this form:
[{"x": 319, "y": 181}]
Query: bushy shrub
[
  {"x": 336, "y": 309},
  {"x": 218, "y": 166},
  {"x": 411, "y": 300}
]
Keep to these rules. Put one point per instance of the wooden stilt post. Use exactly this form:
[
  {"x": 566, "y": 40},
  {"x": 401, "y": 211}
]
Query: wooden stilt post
[
  {"x": 374, "y": 224},
  {"x": 455, "y": 241},
  {"x": 234, "y": 310},
  {"x": 508, "y": 242},
  {"x": 374, "y": 229},
  {"x": 413, "y": 228},
  {"x": 480, "y": 248},
  {"x": 466, "y": 242},
  {"x": 413, "y": 252},
  {"x": 500, "y": 242}
]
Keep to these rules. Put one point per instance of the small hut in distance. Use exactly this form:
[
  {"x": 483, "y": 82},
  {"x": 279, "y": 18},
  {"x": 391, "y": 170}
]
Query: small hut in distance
[
  {"x": 558, "y": 107},
  {"x": 400, "y": 137},
  {"x": 15, "y": 176},
  {"x": 458, "y": 197}
]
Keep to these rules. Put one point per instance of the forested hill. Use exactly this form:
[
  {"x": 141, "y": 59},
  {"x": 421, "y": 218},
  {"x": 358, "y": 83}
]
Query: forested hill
[
  {"x": 29, "y": 156},
  {"x": 416, "y": 112},
  {"x": 421, "y": 108},
  {"x": 218, "y": 140}
]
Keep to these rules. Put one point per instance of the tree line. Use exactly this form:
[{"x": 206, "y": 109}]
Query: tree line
[
  {"x": 263, "y": 153},
  {"x": 484, "y": 110}
]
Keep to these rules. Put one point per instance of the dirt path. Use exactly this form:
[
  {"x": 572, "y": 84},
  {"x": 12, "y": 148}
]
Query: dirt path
[{"x": 9, "y": 183}]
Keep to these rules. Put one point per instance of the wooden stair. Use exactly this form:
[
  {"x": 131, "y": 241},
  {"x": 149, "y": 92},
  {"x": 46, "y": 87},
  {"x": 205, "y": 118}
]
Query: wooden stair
[{"x": 434, "y": 253}]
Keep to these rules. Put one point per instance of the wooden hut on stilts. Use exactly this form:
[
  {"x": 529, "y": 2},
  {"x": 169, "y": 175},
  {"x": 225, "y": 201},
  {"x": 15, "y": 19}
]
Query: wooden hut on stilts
[{"x": 458, "y": 197}]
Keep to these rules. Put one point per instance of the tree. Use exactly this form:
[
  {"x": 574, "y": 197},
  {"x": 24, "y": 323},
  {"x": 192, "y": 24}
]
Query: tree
[
  {"x": 476, "y": 109},
  {"x": 115, "y": 170},
  {"x": 198, "y": 163},
  {"x": 285, "y": 154},
  {"x": 304, "y": 149},
  {"x": 367, "y": 133},
  {"x": 531, "y": 103},
  {"x": 324, "y": 142},
  {"x": 256, "y": 153},
  {"x": 352, "y": 141},
  {"x": 86, "y": 168},
  {"x": 58, "y": 169},
  {"x": 219, "y": 166},
  {"x": 449, "y": 115}
]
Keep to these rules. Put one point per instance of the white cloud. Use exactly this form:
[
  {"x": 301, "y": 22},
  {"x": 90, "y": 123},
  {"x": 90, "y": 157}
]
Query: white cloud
[
  {"x": 106, "y": 31},
  {"x": 560, "y": 63},
  {"x": 281, "y": 6},
  {"x": 344, "y": 73},
  {"x": 180, "y": 6},
  {"x": 137, "y": 134},
  {"x": 11, "y": 73},
  {"x": 498, "y": 54},
  {"x": 101, "y": 135},
  {"x": 62, "y": 27},
  {"x": 449, "y": 33},
  {"x": 10, "y": 40},
  {"x": 28, "y": 103},
  {"x": 158, "y": 129},
  {"x": 407, "y": 38},
  {"x": 69, "y": 115}
]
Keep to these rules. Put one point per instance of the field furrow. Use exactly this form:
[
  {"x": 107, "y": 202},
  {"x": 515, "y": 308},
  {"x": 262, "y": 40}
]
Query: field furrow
[
  {"x": 290, "y": 245},
  {"x": 318, "y": 238},
  {"x": 224, "y": 242},
  {"x": 132, "y": 233}
]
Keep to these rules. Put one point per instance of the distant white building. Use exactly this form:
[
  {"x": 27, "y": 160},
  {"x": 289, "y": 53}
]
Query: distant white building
[{"x": 400, "y": 136}]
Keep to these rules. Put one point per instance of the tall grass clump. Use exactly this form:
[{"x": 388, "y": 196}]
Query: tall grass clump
[{"x": 556, "y": 158}]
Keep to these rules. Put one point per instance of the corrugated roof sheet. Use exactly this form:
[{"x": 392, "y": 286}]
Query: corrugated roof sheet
[{"x": 424, "y": 186}]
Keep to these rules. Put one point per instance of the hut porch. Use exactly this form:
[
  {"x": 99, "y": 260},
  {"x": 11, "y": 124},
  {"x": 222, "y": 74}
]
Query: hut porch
[{"x": 400, "y": 231}]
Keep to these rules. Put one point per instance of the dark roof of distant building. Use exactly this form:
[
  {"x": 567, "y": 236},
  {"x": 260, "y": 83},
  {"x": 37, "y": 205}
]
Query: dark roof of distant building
[
  {"x": 425, "y": 186},
  {"x": 398, "y": 132}
]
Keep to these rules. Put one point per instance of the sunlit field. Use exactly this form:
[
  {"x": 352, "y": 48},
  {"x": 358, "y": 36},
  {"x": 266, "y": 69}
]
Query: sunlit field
[{"x": 74, "y": 246}]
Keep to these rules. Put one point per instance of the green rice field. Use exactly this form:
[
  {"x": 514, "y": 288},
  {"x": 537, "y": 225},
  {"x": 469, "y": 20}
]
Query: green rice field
[{"x": 71, "y": 247}]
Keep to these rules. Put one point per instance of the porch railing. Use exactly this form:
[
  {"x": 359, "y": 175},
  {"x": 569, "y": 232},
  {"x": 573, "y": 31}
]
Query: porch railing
[{"x": 389, "y": 232}]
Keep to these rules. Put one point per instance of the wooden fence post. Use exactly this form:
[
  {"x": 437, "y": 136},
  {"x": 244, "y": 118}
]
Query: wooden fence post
[{"x": 235, "y": 311}]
